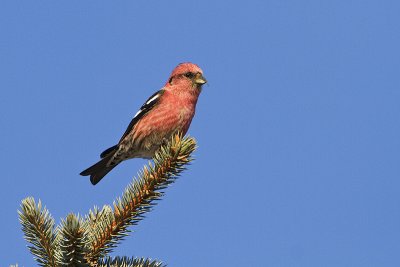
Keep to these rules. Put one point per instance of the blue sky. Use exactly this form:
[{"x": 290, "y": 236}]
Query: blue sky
[{"x": 298, "y": 130}]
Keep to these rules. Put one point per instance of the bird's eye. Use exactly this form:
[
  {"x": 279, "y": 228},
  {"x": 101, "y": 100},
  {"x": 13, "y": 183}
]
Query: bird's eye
[{"x": 189, "y": 74}]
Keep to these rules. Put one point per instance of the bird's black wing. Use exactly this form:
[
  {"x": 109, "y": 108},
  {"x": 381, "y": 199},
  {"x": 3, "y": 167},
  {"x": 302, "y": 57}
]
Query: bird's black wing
[
  {"x": 109, "y": 150},
  {"x": 146, "y": 107}
]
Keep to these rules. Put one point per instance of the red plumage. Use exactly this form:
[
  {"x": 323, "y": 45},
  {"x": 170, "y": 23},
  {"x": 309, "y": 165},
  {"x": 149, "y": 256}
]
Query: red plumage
[{"x": 166, "y": 112}]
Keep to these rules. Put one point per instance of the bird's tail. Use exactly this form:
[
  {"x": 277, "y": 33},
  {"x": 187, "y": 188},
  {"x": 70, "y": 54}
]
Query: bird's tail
[{"x": 100, "y": 169}]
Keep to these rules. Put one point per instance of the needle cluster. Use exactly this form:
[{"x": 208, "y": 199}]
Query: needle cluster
[{"x": 88, "y": 240}]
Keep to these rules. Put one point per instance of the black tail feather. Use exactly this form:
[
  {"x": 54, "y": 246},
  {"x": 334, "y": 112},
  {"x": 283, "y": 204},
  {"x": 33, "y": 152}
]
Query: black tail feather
[
  {"x": 99, "y": 170},
  {"x": 106, "y": 152}
]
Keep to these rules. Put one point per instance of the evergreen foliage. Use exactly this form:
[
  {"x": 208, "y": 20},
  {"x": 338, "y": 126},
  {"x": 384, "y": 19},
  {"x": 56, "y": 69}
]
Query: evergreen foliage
[{"x": 87, "y": 241}]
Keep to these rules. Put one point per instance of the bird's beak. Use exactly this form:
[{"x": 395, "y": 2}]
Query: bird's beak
[{"x": 199, "y": 79}]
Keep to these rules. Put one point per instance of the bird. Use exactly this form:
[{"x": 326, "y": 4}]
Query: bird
[{"x": 165, "y": 113}]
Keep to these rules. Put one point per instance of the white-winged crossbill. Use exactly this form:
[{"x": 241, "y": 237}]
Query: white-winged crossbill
[{"x": 165, "y": 113}]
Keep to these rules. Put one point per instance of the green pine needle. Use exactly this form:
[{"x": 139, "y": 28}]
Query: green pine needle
[
  {"x": 129, "y": 262},
  {"x": 73, "y": 242},
  {"x": 38, "y": 227},
  {"x": 139, "y": 196},
  {"x": 77, "y": 242}
]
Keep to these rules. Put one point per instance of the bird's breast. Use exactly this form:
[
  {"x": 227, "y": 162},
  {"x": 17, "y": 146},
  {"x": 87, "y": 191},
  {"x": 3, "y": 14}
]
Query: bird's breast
[{"x": 156, "y": 127}]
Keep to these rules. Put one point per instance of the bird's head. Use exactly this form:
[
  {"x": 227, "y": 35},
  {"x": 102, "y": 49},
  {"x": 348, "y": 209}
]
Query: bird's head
[{"x": 187, "y": 75}]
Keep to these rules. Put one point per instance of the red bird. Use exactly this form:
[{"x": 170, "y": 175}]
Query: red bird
[{"x": 166, "y": 112}]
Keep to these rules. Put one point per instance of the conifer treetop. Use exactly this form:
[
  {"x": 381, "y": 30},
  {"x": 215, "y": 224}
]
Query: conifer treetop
[{"x": 88, "y": 240}]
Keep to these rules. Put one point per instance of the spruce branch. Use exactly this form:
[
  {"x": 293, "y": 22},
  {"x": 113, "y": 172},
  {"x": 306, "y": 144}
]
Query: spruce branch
[
  {"x": 38, "y": 227},
  {"x": 72, "y": 243},
  {"x": 129, "y": 262},
  {"x": 86, "y": 242},
  {"x": 111, "y": 225}
]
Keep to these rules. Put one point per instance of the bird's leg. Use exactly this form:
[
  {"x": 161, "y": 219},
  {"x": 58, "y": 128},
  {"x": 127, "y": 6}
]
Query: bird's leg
[{"x": 164, "y": 141}]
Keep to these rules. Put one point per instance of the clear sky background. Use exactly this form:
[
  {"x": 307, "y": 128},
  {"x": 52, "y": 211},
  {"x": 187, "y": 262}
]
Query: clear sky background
[{"x": 298, "y": 130}]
